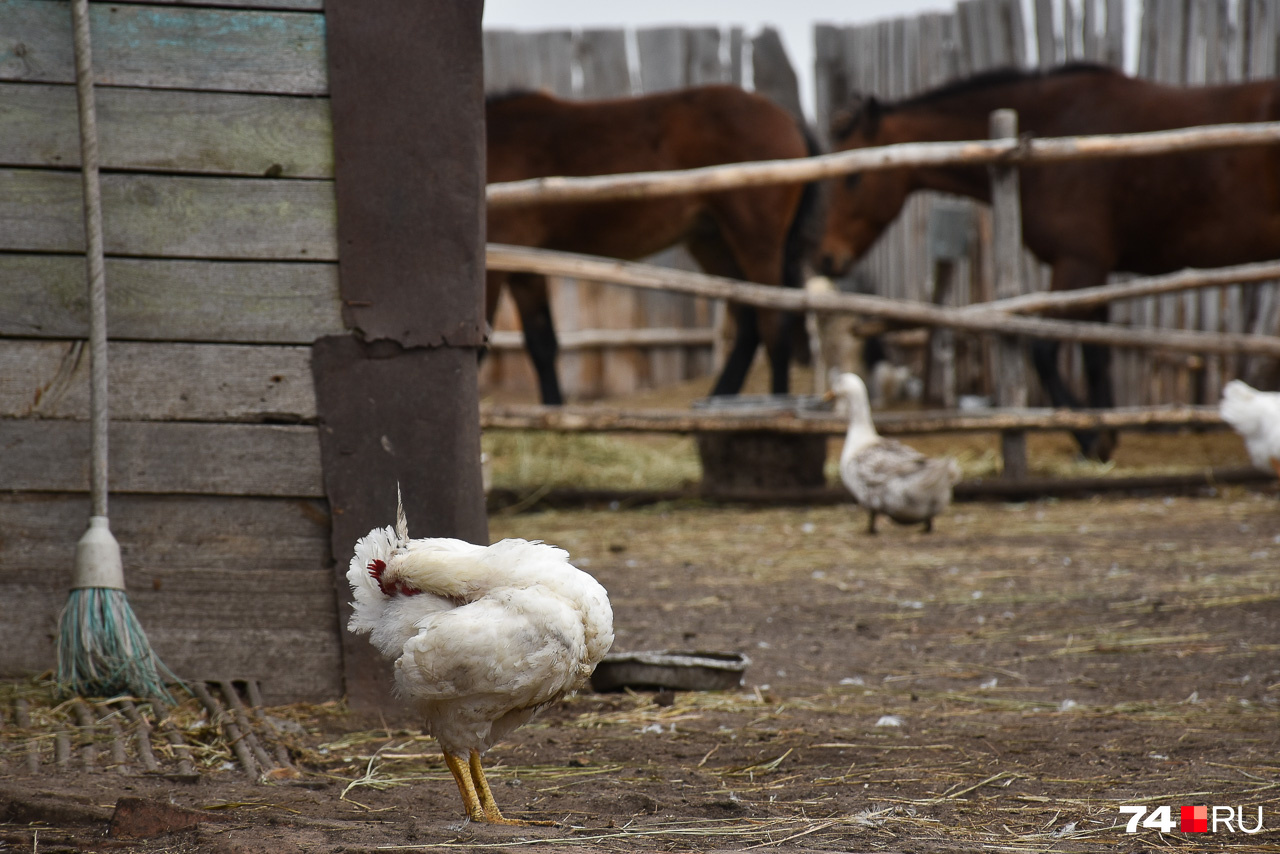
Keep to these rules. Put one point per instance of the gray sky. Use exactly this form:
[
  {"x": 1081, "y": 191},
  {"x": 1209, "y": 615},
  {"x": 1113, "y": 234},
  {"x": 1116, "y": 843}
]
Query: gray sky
[{"x": 794, "y": 19}]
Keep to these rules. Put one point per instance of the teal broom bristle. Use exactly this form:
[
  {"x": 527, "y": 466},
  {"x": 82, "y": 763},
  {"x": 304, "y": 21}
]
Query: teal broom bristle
[{"x": 103, "y": 651}]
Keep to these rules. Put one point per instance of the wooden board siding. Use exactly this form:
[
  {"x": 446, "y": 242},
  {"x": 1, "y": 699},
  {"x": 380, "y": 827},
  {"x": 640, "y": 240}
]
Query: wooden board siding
[
  {"x": 231, "y": 587},
  {"x": 159, "y": 382},
  {"x": 168, "y": 47},
  {"x": 160, "y": 130},
  {"x": 171, "y": 216},
  {"x": 45, "y": 296},
  {"x": 164, "y": 458}
]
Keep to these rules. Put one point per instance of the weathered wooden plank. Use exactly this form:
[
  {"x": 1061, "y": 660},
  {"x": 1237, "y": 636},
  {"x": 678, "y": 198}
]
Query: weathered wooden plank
[
  {"x": 553, "y": 54},
  {"x": 283, "y": 5},
  {"x": 772, "y": 72},
  {"x": 159, "y": 381},
  {"x": 291, "y": 664},
  {"x": 234, "y": 50},
  {"x": 172, "y": 216},
  {"x": 662, "y": 52},
  {"x": 166, "y": 533},
  {"x": 170, "y": 131},
  {"x": 602, "y": 56},
  {"x": 703, "y": 56},
  {"x": 45, "y": 296},
  {"x": 165, "y": 458},
  {"x": 584, "y": 419}
]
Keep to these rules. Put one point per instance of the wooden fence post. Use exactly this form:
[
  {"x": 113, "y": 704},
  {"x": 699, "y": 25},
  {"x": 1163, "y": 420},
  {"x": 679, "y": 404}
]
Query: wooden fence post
[{"x": 1010, "y": 368}]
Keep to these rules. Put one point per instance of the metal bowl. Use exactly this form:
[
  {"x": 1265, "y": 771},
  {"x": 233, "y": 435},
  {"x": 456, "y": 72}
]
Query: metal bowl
[{"x": 672, "y": 670}]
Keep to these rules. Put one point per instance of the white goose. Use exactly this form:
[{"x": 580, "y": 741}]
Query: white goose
[{"x": 886, "y": 476}]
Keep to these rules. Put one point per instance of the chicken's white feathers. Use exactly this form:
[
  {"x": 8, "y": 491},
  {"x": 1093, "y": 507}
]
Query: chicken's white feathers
[
  {"x": 495, "y": 632},
  {"x": 1255, "y": 415}
]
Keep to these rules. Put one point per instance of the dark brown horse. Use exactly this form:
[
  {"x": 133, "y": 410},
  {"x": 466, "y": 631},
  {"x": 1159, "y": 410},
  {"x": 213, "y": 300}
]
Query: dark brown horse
[
  {"x": 1085, "y": 218},
  {"x": 755, "y": 234}
]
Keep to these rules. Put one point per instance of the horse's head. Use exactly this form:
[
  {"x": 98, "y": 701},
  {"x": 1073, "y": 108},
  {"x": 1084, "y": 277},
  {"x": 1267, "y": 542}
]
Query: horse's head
[{"x": 862, "y": 204}]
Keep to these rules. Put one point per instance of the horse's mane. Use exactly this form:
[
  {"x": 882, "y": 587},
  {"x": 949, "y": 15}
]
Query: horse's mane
[
  {"x": 871, "y": 108},
  {"x": 996, "y": 77}
]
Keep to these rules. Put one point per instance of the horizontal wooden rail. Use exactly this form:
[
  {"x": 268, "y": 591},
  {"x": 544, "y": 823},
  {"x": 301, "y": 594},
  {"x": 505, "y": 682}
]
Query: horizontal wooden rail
[
  {"x": 596, "y": 419},
  {"x": 548, "y": 262},
  {"x": 1183, "y": 280},
  {"x": 582, "y": 339},
  {"x": 644, "y": 185}
]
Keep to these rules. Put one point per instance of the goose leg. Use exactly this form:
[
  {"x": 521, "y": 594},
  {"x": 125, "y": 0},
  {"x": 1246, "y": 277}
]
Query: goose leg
[
  {"x": 928, "y": 525},
  {"x": 871, "y": 521},
  {"x": 489, "y": 806}
]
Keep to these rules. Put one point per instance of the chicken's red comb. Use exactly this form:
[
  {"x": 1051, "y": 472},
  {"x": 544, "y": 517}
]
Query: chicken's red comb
[{"x": 376, "y": 568}]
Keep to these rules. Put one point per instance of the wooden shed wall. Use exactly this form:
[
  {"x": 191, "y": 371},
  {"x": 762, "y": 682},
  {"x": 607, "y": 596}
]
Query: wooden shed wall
[{"x": 219, "y": 219}]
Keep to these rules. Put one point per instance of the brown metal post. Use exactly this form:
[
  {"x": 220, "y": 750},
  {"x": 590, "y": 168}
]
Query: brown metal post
[
  {"x": 1011, "y": 371},
  {"x": 397, "y": 398}
]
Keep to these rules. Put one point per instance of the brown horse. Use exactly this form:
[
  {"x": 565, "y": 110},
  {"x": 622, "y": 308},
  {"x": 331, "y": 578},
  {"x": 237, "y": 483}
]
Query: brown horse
[
  {"x": 1085, "y": 218},
  {"x": 756, "y": 234}
]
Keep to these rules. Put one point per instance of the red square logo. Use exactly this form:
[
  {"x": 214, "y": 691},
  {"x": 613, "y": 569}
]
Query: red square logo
[{"x": 1195, "y": 819}]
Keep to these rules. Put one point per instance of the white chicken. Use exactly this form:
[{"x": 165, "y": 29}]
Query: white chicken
[
  {"x": 482, "y": 637},
  {"x": 1255, "y": 415},
  {"x": 886, "y": 476}
]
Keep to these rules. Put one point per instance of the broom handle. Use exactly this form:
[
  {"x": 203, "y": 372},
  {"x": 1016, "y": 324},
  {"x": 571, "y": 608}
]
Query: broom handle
[{"x": 98, "y": 412}]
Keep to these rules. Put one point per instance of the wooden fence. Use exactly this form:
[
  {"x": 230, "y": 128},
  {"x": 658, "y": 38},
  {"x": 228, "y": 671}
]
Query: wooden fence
[
  {"x": 220, "y": 234},
  {"x": 1180, "y": 41},
  {"x": 674, "y": 336}
]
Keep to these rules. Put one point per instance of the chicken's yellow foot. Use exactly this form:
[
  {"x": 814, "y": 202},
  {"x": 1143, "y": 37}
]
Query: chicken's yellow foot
[
  {"x": 488, "y": 804},
  {"x": 466, "y": 788}
]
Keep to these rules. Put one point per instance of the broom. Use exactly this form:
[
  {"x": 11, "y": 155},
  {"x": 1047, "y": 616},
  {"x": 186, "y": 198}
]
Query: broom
[{"x": 102, "y": 649}]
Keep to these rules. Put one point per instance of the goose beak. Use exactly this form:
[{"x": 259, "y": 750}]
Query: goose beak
[{"x": 828, "y": 396}]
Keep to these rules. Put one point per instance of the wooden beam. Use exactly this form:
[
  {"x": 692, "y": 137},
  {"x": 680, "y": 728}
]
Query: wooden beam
[
  {"x": 1037, "y": 303},
  {"x": 645, "y": 185},
  {"x": 590, "y": 419},
  {"x": 548, "y": 262}
]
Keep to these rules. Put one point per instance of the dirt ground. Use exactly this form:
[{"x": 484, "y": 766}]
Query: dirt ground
[{"x": 1005, "y": 683}]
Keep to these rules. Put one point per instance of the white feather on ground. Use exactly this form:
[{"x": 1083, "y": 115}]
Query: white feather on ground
[
  {"x": 1255, "y": 415},
  {"x": 886, "y": 476},
  {"x": 482, "y": 637}
]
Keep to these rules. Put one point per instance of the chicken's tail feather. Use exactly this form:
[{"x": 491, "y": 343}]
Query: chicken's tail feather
[{"x": 402, "y": 524}]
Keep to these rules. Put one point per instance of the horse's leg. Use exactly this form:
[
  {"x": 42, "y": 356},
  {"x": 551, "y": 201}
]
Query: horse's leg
[
  {"x": 715, "y": 258},
  {"x": 529, "y": 291},
  {"x": 777, "y": 329},
  {"x": 1097, "y": 376},
  {"x": 746, "y": 339},
  {"x": 1073, "y": 274}
]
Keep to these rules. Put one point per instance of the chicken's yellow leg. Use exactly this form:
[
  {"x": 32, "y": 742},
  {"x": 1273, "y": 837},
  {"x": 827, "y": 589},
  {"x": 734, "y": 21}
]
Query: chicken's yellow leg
[
  {"x": 468, "y": 791},
  {"x": 488, "y": 804},
  {"x": 1275, "y": 464}
]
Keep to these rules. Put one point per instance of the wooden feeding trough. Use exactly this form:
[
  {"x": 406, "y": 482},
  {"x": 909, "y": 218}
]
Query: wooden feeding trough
[{"x": 738, "y": 463}]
